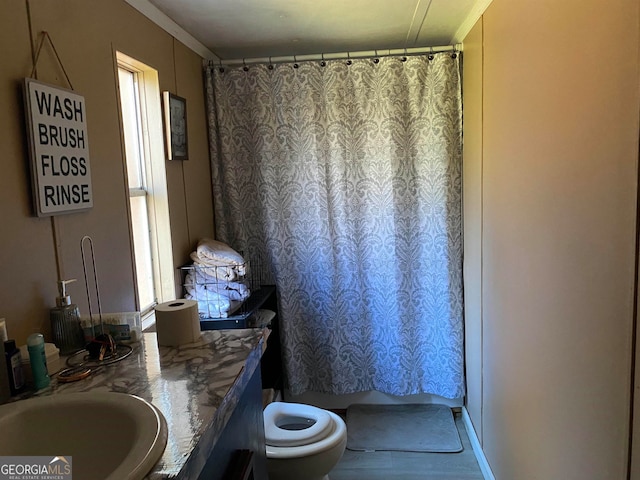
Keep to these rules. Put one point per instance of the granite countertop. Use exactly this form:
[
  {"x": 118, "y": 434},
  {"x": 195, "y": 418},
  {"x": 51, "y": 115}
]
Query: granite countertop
[{"x": 195, "y": 386}]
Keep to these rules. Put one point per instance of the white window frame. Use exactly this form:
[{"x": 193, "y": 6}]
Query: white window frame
[{"x": 156, "y": 181}]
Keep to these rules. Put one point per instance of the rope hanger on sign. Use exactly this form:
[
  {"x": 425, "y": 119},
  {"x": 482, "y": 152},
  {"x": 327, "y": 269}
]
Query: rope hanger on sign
[
  {"x": 45, "y": 35},
  {"x": 54, "y": 225}
]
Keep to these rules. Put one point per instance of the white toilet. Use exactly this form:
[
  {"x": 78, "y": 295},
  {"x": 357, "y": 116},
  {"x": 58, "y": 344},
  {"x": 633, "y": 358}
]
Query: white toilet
[{"x": 303, "y": 442}]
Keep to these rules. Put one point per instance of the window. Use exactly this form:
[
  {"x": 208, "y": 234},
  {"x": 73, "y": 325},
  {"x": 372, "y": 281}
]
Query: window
[{"x": 146, "y": 177}]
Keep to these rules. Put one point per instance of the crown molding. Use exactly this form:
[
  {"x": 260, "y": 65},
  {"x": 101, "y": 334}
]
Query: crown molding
[
  {"x": 477, "y": 11},
  {"x": 163, "y": 21}
]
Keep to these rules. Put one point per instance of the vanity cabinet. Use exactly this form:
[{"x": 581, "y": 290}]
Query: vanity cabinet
[
  {"x": 239, "y": 453},
  {"x": 210, "y": 393}
]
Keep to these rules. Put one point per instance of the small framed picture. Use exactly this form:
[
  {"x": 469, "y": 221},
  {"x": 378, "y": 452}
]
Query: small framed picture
[{"x": 175, "y": 126}]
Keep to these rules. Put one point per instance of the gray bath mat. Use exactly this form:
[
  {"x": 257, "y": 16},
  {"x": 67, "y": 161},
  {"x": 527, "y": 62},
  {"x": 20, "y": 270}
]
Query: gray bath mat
[{"x": 405, "y": 428}]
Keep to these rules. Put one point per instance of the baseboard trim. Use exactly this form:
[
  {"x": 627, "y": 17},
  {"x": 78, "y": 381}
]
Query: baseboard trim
[{"x": 477, "y": 448}]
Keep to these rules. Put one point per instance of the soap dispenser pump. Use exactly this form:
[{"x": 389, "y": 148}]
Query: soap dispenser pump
[{"x": 65, "y": 322}]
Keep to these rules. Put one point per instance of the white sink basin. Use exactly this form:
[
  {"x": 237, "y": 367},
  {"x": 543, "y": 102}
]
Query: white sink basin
[{"x": 111, "y": 436}]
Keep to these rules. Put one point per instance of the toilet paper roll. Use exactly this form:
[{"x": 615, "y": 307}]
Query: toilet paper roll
[{"x": 177, "y": 322}]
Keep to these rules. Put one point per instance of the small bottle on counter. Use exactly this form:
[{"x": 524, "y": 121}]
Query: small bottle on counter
[
  {"x": 14, "y": 366},
  {"x": 38, "y": 360}
]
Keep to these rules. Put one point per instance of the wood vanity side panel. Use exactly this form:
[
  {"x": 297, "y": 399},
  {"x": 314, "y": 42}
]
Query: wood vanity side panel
[{"x": 244, "y": 431}]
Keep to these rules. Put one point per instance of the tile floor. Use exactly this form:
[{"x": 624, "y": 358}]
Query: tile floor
[{"x": 410, "y": 465}]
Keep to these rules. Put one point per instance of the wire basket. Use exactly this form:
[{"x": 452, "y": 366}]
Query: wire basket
[{"x": 220, "y": 290}]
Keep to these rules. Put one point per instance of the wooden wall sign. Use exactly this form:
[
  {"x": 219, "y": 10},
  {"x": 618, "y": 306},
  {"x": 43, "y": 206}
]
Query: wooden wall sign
[{"x": 59, "y": 149}]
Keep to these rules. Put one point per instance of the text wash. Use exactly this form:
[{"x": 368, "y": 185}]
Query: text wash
[{"x": 66, "y": 109}]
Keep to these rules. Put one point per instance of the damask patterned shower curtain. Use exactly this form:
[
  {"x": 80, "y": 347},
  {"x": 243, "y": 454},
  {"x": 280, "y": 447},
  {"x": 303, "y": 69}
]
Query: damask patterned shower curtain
[{"x": 345, "y": 177}]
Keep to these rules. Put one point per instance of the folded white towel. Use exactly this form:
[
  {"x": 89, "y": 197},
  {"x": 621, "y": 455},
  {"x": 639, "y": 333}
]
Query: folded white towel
[
  {"x": 213, "y": 252},
  {"x": 197, "y": 282},
  {"x": 213, "y": 281},
  {"x": 211, "y": 304},
  {"x": 233, "y": 290},
  {"x": 210, "y": 309},
  {"x": 227, "y": 272},
  {"x": 236, "y": 291}
]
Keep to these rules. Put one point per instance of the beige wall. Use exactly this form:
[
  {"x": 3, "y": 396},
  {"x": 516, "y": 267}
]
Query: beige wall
[
  {"x": 558, "y": 169},
  {"x": 472, "y": 203},
  {"x": 86, "y": 35}
]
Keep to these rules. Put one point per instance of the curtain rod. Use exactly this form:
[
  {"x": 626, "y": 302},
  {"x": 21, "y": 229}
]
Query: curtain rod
[{"x": 335, "y": 56}]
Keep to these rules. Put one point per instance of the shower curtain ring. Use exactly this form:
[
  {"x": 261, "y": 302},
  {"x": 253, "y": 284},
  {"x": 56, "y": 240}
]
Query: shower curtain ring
[
  {"x": 404, "y": 59},
  {"x": 270, "y": 67},
  {"x": 349, "y": 62},
  {"x": 376, "y": 59},
  {"x": 221, "y": 68},
  {"x": 245, "y": 68},
  {"x": 322, "y": 63},
  {"x": 430, "y": 56},
  {"x": 295, "y": 62}
]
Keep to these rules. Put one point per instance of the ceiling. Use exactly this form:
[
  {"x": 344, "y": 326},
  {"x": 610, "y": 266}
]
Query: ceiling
[{"x": 237, "y": 29}]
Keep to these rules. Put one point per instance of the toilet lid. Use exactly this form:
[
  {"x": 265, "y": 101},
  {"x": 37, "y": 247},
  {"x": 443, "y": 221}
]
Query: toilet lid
[{"x": 278, "y": 416}]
